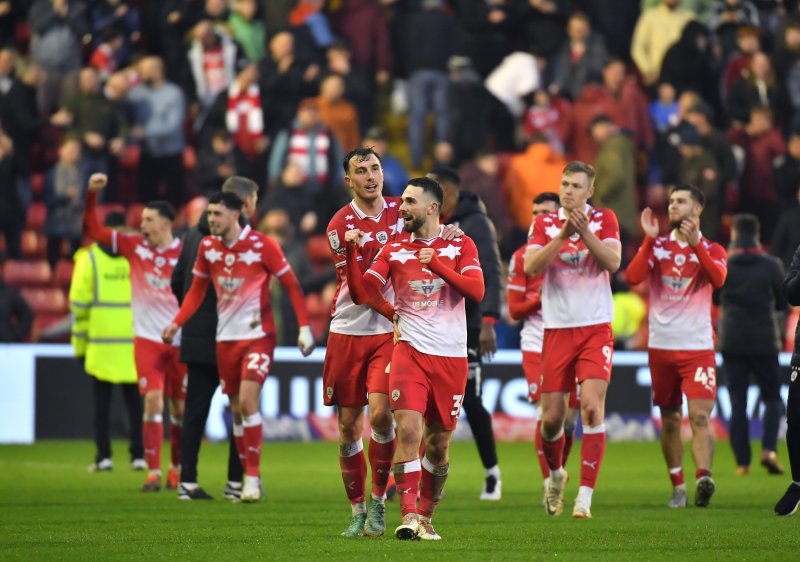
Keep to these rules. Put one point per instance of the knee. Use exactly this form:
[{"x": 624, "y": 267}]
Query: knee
[
  {"x": 436, "y": 451},
  {"x": 350, "y": 429},
  {"x": 380, "y": 419},
  {"x": 153, "y": 403},
  {"x": 700, "y": 419},
  {"x": 408, "y": 433},
  {"x": 592, "y": 415}
]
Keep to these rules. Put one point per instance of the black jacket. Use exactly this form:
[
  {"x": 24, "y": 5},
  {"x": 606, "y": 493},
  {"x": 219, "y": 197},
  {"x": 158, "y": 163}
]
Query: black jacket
[
  {"x": 15, "y": 315},
  {"x": 791, "y": 287},
  {"x": 199, "y": 334},
  {"x": 470, "y": 216},
  {"x": 751, "y": 295}
]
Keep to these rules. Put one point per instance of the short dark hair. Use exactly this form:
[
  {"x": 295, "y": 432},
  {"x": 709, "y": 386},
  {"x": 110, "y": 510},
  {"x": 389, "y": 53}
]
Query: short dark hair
[
  {"x": 114, "y": 219},
  {"x": 578, "y": 167},
  {"x": 546, "y": 196},
  {"x": 360, "y": 154},
  {"x": 694, "y": 191},
  {"x": 446, "y": 173},
  {"x": 429, "y": 186},
  {"x": 227, "y": 198},
  {"x": 241, "y": 186},
  {"x": 746, "y": 224},
  {"x": 163, "y": 208}
]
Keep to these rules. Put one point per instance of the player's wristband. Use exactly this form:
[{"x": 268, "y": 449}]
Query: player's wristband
[{"x": 491, "y": 320}]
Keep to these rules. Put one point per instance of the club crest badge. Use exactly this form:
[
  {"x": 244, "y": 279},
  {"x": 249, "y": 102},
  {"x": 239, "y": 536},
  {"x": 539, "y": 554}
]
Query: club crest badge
[
  {"x": 230, "y": 259},
  {"x": 395, "y": 395},
  {"x": 382, "y": 237}
]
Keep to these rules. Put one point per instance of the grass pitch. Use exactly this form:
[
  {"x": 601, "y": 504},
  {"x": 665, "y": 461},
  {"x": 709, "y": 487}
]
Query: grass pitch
[{"x": 53, "y": 509}]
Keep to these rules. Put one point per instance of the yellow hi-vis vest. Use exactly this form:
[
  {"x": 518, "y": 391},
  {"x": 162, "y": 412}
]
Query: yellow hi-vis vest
[{"x": 102, "y": 328}]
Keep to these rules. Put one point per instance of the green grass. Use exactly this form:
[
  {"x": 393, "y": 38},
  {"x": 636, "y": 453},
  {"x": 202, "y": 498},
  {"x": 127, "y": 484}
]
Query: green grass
[{"x": 51, "y": 508}]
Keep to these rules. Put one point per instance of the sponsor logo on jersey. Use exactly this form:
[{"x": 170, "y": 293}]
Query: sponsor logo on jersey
[
  {"x": 574, "y": 258},
  {"x": 230, "y": 259},
  {"x": 677, "y": 284},
  {"x": 230, "y": 284},
  {"x": 333, "y": 238},
  {"x": 382, "y": 237},
  {"x": 156, "y": 281},
  {"x": 427, "y": 287}
]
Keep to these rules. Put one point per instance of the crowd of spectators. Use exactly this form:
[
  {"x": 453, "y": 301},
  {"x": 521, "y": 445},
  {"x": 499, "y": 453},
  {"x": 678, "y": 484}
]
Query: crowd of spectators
[{"x": 652, "y": 92}]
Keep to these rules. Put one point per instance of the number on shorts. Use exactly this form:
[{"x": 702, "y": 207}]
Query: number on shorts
[
  {"x": 706, "y": 377},
  {"x": 607, "y": 354},
  {"x": 258, "y": 362},
  {"x": 457, "y": 399}
]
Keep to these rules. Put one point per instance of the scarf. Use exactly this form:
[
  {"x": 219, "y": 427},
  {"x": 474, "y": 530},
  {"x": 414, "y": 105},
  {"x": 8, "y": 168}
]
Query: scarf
[{"x": 244, "y": 117}]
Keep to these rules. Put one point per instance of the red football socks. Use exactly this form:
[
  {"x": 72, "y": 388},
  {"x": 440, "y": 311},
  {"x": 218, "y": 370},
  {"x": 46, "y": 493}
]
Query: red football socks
[
  {"x": 381, "y": 453},
  {"x": 537, "y": 439},
  {"x": 407, "y": 475},
  {"x": 354, "y": 470},
  {"x": 592, "y": 450},
  {"x": 152, "y": 439},
  {"x": 253, "y": 437}
]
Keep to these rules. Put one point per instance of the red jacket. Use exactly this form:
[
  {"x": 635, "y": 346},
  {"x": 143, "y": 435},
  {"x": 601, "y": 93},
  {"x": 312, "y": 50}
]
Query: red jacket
[
  {"x": 760, "y": 153},
  {"x": 362, "y": 25}
]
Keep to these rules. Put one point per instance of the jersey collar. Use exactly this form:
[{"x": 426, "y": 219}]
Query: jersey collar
[
  {"x": 175, "y": 243},
  {"x": 428, "y": 241},
  {"x": 362, "y": 215},
  {"x": 242, "y": 235},
  {"x": 674, "y": 238},
  {"x": 562, "y": 216}
]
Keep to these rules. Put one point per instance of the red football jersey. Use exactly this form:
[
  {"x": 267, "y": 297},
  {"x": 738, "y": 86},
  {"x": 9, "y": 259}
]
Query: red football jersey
[
  {"x": 347, "y": 317},
  {"x": 153, "y": 304},
  {"x": 241, "y": 274},
  {"x": 532, "y": 334},
  {"x": 576, "y": 290},
  {"x": 680, "y": 294},
  {"x": 432, "y": 313}
]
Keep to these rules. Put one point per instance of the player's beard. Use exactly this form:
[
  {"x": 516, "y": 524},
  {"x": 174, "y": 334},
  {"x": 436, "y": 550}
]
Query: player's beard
[
  {"x": 676, "y": 223},
  {"x": 415, "y": 225}
]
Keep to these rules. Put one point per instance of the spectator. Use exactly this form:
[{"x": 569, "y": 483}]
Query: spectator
[
  {"x": 284, "y": 80},
  {"x": 755, "y": 88},
  {"x": 664, "y": 166},
  {"x": 11, "y": 11},
  {"x": 97, "y": 121},
  {"x": 664, "y": 109},
  {"x": 738, "y": 63},
  {"x": 18, "y": 117},
  {"x": 542, "y": 24},
  {"x": 615, "y": 20},
  {"x": 241, "y": 111},
  {"x": 58, "y": 29},
  {"x": 536, "y": 170},
  {"x": 657, "y": 29},
  {"x": 16, "y": 316},
  {"x": 470, "y": 110},
  {"x": 487, "y": 26},
  {"x": 698, "y": 168},
  {"x": 701, "y": 116},
  {"x": 547, "y": 116},
  {"x": 214, "y": 60},
  {"x": 429, "y": 39},
  {"x": 11, "y": 211},
  {"x": 786, "y": 238},
  {"x": 358, "y": 87},
  {"x": 216, "y": 162},
  {"x": 371, "y": 50},
  {"x": 395, "y": 176},
  {"x": 159, "y": 111},
  {"x": 615, "y": 185},
  {"x": 620, "y": 98},
  {"x": 727, "y": 17},
  {"x": 749, "y": 340},
  {"x": 516, "y": 77},
  {"x": 124, "y": 19},
  {"x": 338, "y": 114},
  {"x": 311, "y": 30},
  {"x": 176, "y": 20},
  {"x": 312, "y": 147},
  {"x": 248, "y": 32},
  {"x": 787, "y": 174},
  {"x": 104, "y": 58},
  {"x": 481, "y": 175},
  {"x": 690, "y": 65},
  {"x": 275, "y": 14},
  {"x": 292, "y": 194},
  {"x": 63, "y": 194},
  {"x": 785, "y": 61},
  {"x": 762, "y": 144},
  {"x": 581, "y": 58}
]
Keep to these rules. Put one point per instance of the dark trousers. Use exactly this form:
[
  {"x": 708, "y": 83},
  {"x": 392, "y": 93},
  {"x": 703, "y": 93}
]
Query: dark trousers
[
  {"x": 13, "y": 235},
  {"x": 203, "y": 382},
  {"x": 480, "y": 421},
  {"x": 102, "y": 418},
  {"x": 765, "y": 370},
  {"x": 161, "y": 177},
  {"x": 793, "y": 421}
]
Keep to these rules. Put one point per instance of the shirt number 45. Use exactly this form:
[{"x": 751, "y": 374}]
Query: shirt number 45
[
  {"x": 258, "y": 362},
  {"x": 707, "y": 377}
]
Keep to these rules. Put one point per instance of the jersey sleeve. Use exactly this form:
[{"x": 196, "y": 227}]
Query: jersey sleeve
[
  {"x": 538, "y": 237},
  {"x": 469, "y": 260},
  {"x": 336, "y": 243},
  {"x": 609, "y": 230},
  {"x": 273, "y": 258},
  {"x": 201, "y": 265},
  {"x": 124, "y": 244},
  {"x": 380, "y": 269},
  {"x": 517, "y": 279}
]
